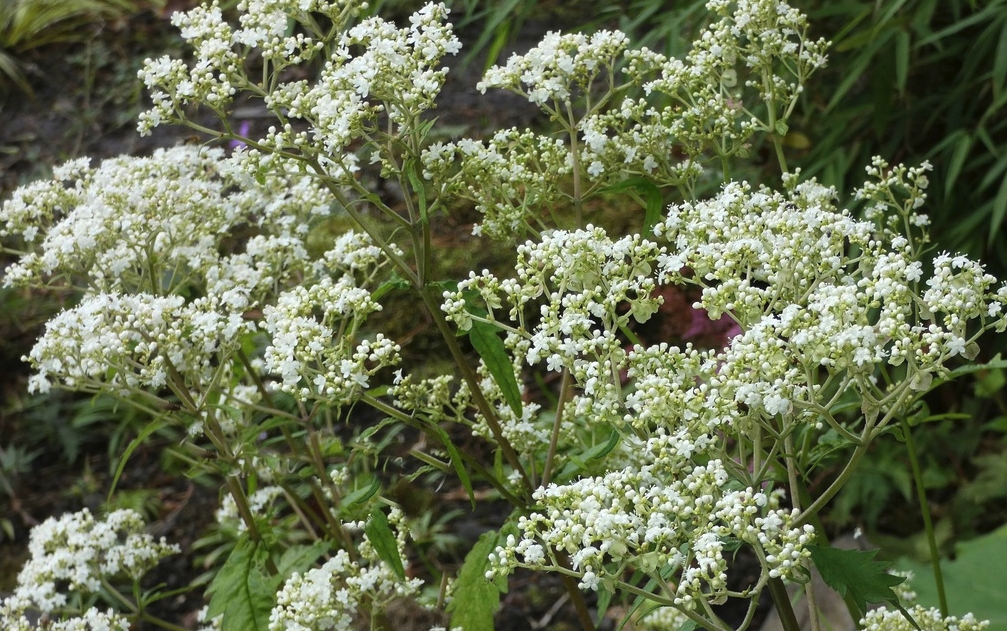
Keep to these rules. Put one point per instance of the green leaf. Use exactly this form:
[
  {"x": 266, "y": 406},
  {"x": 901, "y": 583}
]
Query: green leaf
[
  {"x": 152, "y": 427},
  {"x": 999, "y": 211},
  {"x": 476, "y": 598},
  {"x": 902, "y": 44},
  {"x": 418, "y": 187},
  {"x": 383, "y": 540},
  {"x": 300, "y": 558},
  {"x": 243, "y": 592},
  {"x": 362, "y": 494},
  {"x": 854, "y": 572},
  {"x": 491, "y": 349},
  {"x": 457, "y": 463},
  {"x": 654, "y": 201},
  {"x": 973, "y": 581}
]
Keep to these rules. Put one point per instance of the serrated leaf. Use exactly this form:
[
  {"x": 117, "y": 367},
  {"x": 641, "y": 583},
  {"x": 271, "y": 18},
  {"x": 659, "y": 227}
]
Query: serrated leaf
[
  {"x": 300, "y": 558},
  {"x": 380, "y": 534},
  {"x": 854, "y": 572},
  {"x": 491, "y": 349},
  {"x": 243, "y": 592},
  {"x": 476, "y": 598}
]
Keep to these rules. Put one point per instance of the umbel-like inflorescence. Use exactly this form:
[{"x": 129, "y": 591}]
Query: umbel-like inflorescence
[
  {"x": 77, "y": 555},
  {"x": 142, "y": 234},
  {"x": 330, "y": 597},
  {"x": 743, "y": 75}
]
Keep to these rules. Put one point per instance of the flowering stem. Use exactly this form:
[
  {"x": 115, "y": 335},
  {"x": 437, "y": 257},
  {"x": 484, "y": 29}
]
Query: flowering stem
[
  {"x": 164, "y": 624},
  {"x": 575, "y": 160},
  {"x": 381, "y": 406},
  {"x": 811, "y": 511},
  {"x": 921, "y": 494},
  {"x": 556, "y": 424},
  {"x": 470, "y": 377}
]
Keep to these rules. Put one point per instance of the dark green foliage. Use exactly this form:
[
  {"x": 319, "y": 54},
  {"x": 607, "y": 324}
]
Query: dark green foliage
[
  {"x": 30, "y": 24},
  {"x": 855, "y": 574}
]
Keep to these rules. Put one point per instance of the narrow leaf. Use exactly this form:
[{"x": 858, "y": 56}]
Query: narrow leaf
[
  {"x": 152, "y": 427},
  {"x": 383, "y": 539},
  {"x": 999, "y": 210},
  {"x": 362, "y": 494},
  {"x": 494, "y": 354},
  {"x": 419, "y": 188},
  {"x": 457, "y": 463},
  {"x": 958, "y": 155}
]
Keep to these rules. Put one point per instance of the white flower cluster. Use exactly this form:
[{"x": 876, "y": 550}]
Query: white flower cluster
[
  {"x": 584, "y": 287},
  {"x": 109, "y": 227},
  {"x": 90, "y": 620},
  {"x": 312, "y": 354},
  {"x": 331, "y": 597},
  {"x": 756, "y": 56},
  {"x": 131, "y": 341},
  {"x": 822, "y": 300},
  {"x": 141, "y": 233},
  {"x": 558, "y": 67},
  {"x": 397, "y": 72},
  {"x": 217, "y": 71},
  {"x": 669, "y": 514},
  {"x": 509, "y": 177},
  {"x": 781, "y": 265},
  {"x": 73, "y": 554},
  {"x": 928, "y": 619}
]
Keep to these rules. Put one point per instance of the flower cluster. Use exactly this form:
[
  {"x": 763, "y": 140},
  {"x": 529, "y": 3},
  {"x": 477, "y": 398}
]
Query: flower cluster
[
  {"x": 822, "y": 300},
  {"x": 108, "y": 227},
  {"x": 131, "y": 341},
  {"x": 744, "y": 74},
  {"x": 559, "y": 66},
  {"x": 508, "y": 177},
  {"x": 330, "y": 598},
  {"x": 928, "y": 619},
  {"x": 217, "y": 72},
  {"x": 397, "y": 74},
  {"x": 669, "y": 514},
  {"x": 74, "y": 554},
  {"x": 90, "y": 620},
  {"x": 781, "y": 265},
  {"x": 312, "y": 355}
]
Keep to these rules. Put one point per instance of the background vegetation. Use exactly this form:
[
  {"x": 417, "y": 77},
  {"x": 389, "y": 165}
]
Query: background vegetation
[{"x": 910, "y": 80}]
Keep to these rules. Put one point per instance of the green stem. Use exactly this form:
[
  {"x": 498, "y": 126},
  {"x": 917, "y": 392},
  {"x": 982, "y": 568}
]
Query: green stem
[
  {"x": 781, "y": 599},
  {"x": 472, "y": 379},
  {"x": 164, "y": 624},
  {"x": 921, "y": 493},
  {"x": 556, "y": 424}
]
